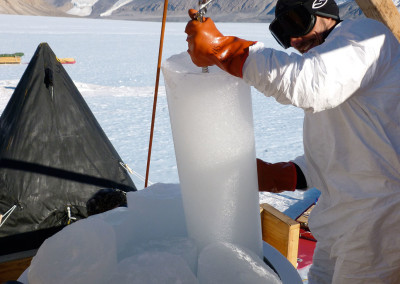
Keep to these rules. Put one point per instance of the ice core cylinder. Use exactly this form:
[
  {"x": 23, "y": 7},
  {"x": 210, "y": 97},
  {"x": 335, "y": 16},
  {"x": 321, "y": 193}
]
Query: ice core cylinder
[{"x": 212, "y": 127}]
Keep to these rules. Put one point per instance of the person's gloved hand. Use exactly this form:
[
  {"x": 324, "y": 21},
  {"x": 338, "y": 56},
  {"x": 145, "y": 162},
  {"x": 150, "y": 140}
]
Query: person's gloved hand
[
  {"x": 277, "y": 177},
  {"x": 207, "y": 46}
]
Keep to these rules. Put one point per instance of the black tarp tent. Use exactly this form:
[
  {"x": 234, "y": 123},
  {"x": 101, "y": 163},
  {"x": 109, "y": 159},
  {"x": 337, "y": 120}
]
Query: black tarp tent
[{"x": 54, "y": 155}]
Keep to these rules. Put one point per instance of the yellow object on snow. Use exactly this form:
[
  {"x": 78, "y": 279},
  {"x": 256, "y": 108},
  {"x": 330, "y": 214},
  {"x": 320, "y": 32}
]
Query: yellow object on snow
[
  {"x": 10, "y": 60},
  {"x": 66, "y": 60}
]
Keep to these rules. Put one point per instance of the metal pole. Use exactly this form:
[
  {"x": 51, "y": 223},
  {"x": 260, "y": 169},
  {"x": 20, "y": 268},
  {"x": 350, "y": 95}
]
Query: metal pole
[{"x": 156, "y": 90}]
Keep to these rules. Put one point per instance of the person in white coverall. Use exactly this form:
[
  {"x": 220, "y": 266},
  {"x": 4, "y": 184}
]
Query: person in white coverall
[{"x": 347, "y": 80}]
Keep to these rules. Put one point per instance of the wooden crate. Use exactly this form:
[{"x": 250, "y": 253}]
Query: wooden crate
[
  {"x": 280, "y": 231},
  {"x": 303, "y": 218},
  {"x": 13, "y": 265}
]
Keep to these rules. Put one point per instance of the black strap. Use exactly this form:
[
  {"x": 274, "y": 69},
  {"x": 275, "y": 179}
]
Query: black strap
[{"x": 63, "y": 174}]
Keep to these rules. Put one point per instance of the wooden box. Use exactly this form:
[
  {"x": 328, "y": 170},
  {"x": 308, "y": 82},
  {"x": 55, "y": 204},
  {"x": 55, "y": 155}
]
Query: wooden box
[{"x": 280, "y": 231}]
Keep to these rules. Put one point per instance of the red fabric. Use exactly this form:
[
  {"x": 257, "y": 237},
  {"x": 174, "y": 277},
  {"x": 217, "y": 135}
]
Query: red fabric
[
  {"x": 306, "y": 252},
  {"x": 276, "y": 178},
  {"x": 304, "y": 234}
]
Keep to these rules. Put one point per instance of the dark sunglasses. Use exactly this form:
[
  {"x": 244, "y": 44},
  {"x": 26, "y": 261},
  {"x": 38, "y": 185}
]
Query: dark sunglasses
[{"x": 296, "y": 22}]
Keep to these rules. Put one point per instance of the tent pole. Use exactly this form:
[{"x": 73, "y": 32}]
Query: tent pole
[{"x": 156, "y": 91}]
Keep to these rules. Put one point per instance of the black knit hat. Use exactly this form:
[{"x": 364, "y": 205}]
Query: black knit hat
[{"x": 323, "y": 8}]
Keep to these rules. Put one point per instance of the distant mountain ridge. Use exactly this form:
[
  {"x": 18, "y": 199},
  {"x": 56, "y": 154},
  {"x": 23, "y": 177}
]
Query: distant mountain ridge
[
  {"x": 31, "y": 7},
  {"x": 151, "y": 10}
]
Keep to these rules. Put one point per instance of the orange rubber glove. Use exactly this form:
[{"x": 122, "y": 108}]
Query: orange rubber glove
[
  {"x": 208, "y": 47},
  {"x": 277, "y": 177}
]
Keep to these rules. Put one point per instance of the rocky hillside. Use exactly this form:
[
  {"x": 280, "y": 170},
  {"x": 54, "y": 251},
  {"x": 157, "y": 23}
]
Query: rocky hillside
[
  {"x": 220, "y": 10},
  {"x": 32, "y": 7}
]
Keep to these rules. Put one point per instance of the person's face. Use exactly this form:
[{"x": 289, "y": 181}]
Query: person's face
[{"x": 314, "y": 38}]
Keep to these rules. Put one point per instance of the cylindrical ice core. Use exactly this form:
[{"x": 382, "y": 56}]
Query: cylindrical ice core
[{"x": 212, "y": 127}]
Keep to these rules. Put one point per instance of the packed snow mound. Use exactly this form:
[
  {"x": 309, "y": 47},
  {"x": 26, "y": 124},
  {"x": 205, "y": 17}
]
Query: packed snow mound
[
  {"x": 153, "y": 268},
  {"x": 82, "y": 253},
  {"x": 227, "y": 263},
  {"x": 144, "y": 243}
]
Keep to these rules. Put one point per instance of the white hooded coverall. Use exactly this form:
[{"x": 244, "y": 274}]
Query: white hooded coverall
[{"x": 349, "y": 88}]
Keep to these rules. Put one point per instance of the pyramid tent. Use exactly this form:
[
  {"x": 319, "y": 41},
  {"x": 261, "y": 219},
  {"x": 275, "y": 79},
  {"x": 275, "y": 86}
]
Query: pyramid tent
[{"x": 53, "y": 155}]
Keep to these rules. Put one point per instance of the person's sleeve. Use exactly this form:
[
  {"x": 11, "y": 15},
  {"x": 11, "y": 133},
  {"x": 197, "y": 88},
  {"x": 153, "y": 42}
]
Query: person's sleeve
[{"x": 321, "y": 79}]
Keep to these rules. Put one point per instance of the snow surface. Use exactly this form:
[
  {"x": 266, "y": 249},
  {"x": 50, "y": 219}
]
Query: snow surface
[{"x": 115, "y": 70}]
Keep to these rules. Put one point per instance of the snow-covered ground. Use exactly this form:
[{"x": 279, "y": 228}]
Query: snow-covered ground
[{"x": 115, "y": 71}]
